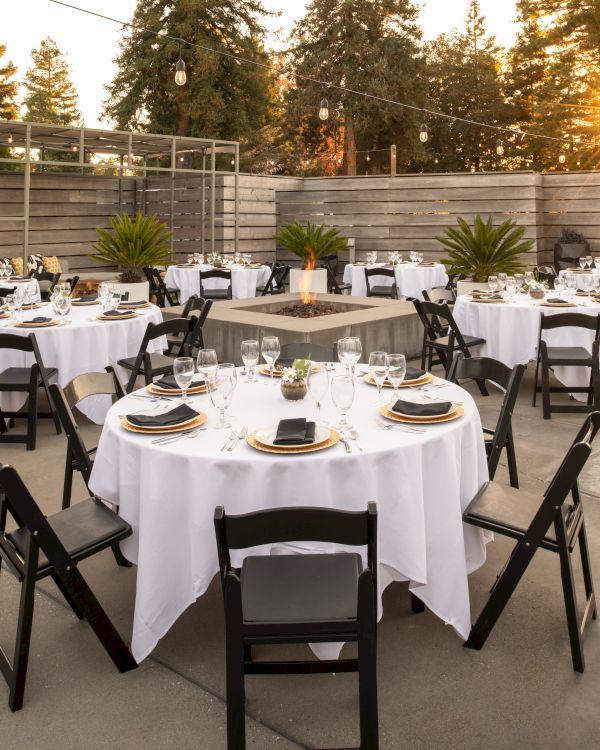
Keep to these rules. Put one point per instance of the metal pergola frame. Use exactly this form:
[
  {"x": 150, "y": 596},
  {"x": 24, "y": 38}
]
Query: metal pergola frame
[{"x": 134, "y": 152}]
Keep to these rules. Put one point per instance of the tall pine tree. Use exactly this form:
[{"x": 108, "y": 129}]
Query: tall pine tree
[
  {"x": 8, "y": 89},
  {"x": 221, "y": 99},
  {"x": 367, "y": 45},
  {"x": 50, "y": 95}
]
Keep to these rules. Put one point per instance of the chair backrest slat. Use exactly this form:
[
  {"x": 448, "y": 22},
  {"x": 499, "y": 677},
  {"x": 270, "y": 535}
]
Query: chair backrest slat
[{"x": 571, "y": 320}]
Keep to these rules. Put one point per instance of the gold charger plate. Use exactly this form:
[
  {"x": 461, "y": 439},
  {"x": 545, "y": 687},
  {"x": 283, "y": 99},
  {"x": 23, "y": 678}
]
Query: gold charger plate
[
  {"x": 118, "y": 317},
  {"x": 253, "y": 443},
  {"x": 37, "y": 325},
  {"x": 34, "y": 306},
  {"x": 427, "y": 378},
  {"x": 4, "y": 315},
  {"x": 386, "y": 412},
  {"x": 174, "y": 391},
  {"x": 200, "y": 419},
  {"x": 81, "y": 303},
  {"x": 557, "y": 304},
  {"x": 264, "y": 370},
  {"x": 486, "y": 299},
  {"x": 134, "y": 305},
  {"x": 579, "y": 270}
]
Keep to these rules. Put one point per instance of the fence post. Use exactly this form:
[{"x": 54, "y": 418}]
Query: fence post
[{"x": 393, "y": 161}]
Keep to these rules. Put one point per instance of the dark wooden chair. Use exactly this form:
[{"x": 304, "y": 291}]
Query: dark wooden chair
[
  {"x": 331, "y": 264},
  {"x": 442, "y": 337},
  {"x": 555, "y": 523},
  {"x": 490, "y": 370},
  {"x": 40, "y": 547},
  {"x": 47, "y": 281},
  {"x": 299, "y": 599},
  {"x": 276, "y": 281},
  {"x": 151, "y": 364},
  {"x": 384, "y": 292},
  {"x": 26, "y": 380},
  {"x": 159, "y": 290},
  {"x": 547, "y": 274},
  {"x": 198, "y": 308},
  {"x": 301, "y": 350},
  {"x": 72, "y": 282},
  {"x": 440, "y": 294},
  {"x": 216, "y": 294},
  {"x": 567, "y": 356}
]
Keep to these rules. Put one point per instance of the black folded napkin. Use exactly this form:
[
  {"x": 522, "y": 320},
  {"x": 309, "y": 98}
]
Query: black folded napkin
[
  {"x": 295, "y": 432},
  {"x": 481, "y": 291},
  {"x": 487, "y": 296},
  {"x": 435, "y": 409},
  {"x": 115, "y": 313},
  {"x": 179, "y": 415},
  {"x": 134, "y": 304},
  {"x": 414, "y": 373},
  {"x": 168, "y": 382},
  {"x": 556, "y": 301},
  {"x": 88, "y": 298},
  {"x": 38, "y": 320}
]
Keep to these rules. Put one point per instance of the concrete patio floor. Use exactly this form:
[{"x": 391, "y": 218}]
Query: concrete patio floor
[{"x": 519, "y": 692}]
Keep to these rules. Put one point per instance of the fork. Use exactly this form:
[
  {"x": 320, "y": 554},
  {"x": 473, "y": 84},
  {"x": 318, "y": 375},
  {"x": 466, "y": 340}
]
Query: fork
[
  {"x": 403, "y": 428},
  {"x": 231, "y": 438},
  {"x": 172, "y": 438},
  {"x": 241, "y": 436}
]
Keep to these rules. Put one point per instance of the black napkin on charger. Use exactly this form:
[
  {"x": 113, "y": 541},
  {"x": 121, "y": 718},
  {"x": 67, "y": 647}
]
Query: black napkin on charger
[
  {"x": 295, "y": 432},
  {"x": 137, "y": 303},
  {"x": 555, "y": 301},
  {"x": 115, "y": 313},
  {"x": 179, "y": 415},
  {"x": 168, "y": 382},
  {"x": 88, "y": 298},
  {"x": 414, "y": 373},
  {"x": 411, "y": 409},
  {"x": 37, "y": 320}
]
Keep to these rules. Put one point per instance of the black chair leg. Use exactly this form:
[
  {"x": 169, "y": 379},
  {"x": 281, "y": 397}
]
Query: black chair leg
[
  {"x": 67, "y": 595},
  {"x": 68, "y": 482},
  {"x": 570, "y": 596},
  {"x": 367, "y": 667},
  {"x": 23, "y": 639},
  {"x": 121, "y": 560},
  {"x": 32, "y": 418},
  {"x": 586, "y": 569},
  {"x": 234, "y": 657},
  {"x": 546, "y": 390},
  {"x": 536, "y": 380},
  {"x": 512, "y": 461}
]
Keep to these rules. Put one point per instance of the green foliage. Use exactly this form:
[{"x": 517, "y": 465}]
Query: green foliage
[
  {"x": 133, "y": 245},
  {"x": 50, "y": 94},
  {"x": 485, "y": 250},
  {"x": 302, "y": 368},
  {"x": 9, "y": 89},
  {"x": 310, "y": 242}
]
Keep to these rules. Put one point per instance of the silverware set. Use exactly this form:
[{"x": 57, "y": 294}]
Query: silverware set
[
  {"x": 233, "y": 439},
  {"x": 172, "y": 438},
  {"x": 400, "y": 428}
]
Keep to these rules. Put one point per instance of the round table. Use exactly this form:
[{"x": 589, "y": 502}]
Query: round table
[
  {"x": 31, "y": 285},
  {"x": 411, "y": 279},
  {"x": 243, "y": 280},
  {"x": 421, "y": 483},
  {"x": 82, "y": 344},
  {"x": 511, "y": 331}
]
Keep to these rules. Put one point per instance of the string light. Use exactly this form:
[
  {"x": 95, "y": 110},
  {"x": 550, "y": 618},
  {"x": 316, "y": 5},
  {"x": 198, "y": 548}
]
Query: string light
[
  {"x": 324, "y": 110},
  {"x": 233, "y": 162},
  {"x": 10, "y": 138},
  {"x": 562, "y": 157},
  {"x": 436, "y": 160},
  {"x": 423, "y": 134},
  {"x": 500, "y": 147},
  {"x": 180, "y": 74},
  {"x": 368, "y": 157}
]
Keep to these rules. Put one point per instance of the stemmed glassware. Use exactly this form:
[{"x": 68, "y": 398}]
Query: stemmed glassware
[
  {"x": 11, "y": 305},
  {"x": 396, "y": 372},
  {"x": 342, "y": 395},
  {"x": 349, "y": 352},
  {"x": 493, "y": 283},
  {"x": 582, "y": 262},
  {"x": 519, "y": 281},
  {"x": 250, "y": 357},
  {"x": 378, "y": 368},
  {"x": 502, "y": 281},
  {"x": 597, "y": 262},
  {"x": 221, "y": 389},
  {"x": 183, "y": 371},
  {"x": 511, "y": 287},
  {"x": 207, "y": 362},
  {"x": 318, "y": 385},
  {"x": 529, "y": 277},
  {"x": 588, "y": 261},
  {"x": 270, "y": 349},
  {"x": 570, "y": 286}
]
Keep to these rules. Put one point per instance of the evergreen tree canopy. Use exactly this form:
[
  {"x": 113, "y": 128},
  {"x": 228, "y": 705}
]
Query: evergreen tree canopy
[
  {"x": 8, "y": 89},
  {"x": 51, "y": 96}
]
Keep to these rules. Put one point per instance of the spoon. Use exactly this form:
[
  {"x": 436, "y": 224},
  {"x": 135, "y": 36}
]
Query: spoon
[{"x": 353, "y": 435}]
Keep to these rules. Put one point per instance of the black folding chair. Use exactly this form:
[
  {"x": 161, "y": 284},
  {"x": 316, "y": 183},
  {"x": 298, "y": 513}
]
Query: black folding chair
[
  {"x": 439, "y": 294},
  {"x": 486, "y": 369},
  {"x": 159, "y": 290},
  {"x": 299, "y": 599},
  {"x": 385, "y": 292},
  {"x": 53, "y": 546},
  {"x": 276, "y": 281},
  {"x": 547, "y": 274},
  {"x": 330, "y": 263},
  {"x": 26, "y": 380},
  {"x": 198, "y": 308},
  {"x": 567, "y": 356},
  {"x": 302, "y": 350},
  {"x": 442, "y": 337},
  {"x": 553, "y": 524},
  {"x": 216, "y": 294},
  {"x": 72, "y": 282},
  {"x": 47, "y": 281},
  {"x": 151, "y": 364}
]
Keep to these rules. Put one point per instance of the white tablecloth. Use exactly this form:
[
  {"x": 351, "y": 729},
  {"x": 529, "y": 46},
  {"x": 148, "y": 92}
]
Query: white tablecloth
[
  {"x": 421, "y": 483},
  {"x": 411, "y": 279},
  {"x": 84, "y": 345},
  {"x": 511, "y": 331},
  {"x": 243, "y": 281},
  {"x": 30, "y": 284}
]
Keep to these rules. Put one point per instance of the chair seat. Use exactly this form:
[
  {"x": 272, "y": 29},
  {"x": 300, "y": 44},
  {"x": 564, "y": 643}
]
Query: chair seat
[
  {"x": 382, "y": 291},
  {"x": 216, "y": 294},
  {"x": 158, "y": 362},
  {"x": 507, "y": 507},
  {"x": 568, "y": 355},
  {"x": 19, "y": 376},
  {"x": 82, "y": 528},
  {"x": 445, "y": 340},
  {"x": 300, "y": 588}
]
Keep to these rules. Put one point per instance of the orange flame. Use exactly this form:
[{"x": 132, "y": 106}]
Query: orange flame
[{"x": 305, "y": 281}]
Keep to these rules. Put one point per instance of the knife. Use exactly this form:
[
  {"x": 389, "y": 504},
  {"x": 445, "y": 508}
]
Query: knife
[{"x": 241, "y": 436}]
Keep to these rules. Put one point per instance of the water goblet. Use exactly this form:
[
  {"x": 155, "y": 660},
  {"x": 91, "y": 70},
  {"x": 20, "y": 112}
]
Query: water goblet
[
  {"x": 597, "y": 262},
  {"x": 318, "y": 385},
  {"x": 559, "y": 286},
  {"x": 493, "y": 283},
  {"x": 511, "y": 287},
  {"x": 582, "y": 262},
  {"x": 270, "y": 349},
  {"x": 529, "y": 277},
  {"x": 396, "y": 372},
  {"x": 207, "y": 362},
  {"x": 342, "y": 395},
  {"x": 183, "y": 371},
  {"x": 378, "y": 368},
  {"x": 519, "y": 281},
  {"x": 11, "y": 305},
  {"x": 353, "y": 349},
  {"x": 502, "y": 281},
  {"x": 588, "y": 261},
  {"x": 250, "y": 357},
  {"x": 221, "y": 389}
]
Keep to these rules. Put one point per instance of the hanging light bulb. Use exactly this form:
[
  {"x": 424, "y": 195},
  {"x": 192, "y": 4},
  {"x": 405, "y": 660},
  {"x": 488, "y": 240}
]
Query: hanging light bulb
[
  {"x": 324, "y": 110},
  {"x": 500, "y": 147},
  {"x": 74, "y": 148},
  {"x": 368, "y": 157},
  {"x": 562, "y": 157},
  {"x": 10, "y": 138},
  {"x": 180, "y": 74},
  {"x": 436, "y": 160},
  {"x": 473, "y": 168},
  {"x": 233, "y": 162},
  {"x": 423, "y": 134}
]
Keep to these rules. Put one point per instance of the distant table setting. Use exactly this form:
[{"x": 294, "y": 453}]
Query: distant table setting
[
  {"x": 214, "y": 434},
  {"x": 411, "y": 277},
  {"x": 244, "y": 279},
  {"x": 26, "y": 284}
]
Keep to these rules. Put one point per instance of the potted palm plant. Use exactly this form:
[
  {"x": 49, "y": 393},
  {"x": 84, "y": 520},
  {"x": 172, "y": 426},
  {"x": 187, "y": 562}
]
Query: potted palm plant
[
  {"x": 309, "y": 243},
  {"x": 484, "y": 250},
  {"x": 131, "y": 245}
]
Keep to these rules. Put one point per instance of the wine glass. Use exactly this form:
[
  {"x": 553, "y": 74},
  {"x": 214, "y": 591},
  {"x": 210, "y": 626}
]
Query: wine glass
[
  {"x": 519, "y": 281},
  {"x": 183, "y": 370},
  {"x": 342, "y": 395},
  {"x": 582, "y": 262},
  {"x": 318, "y": 385},
  {"x": 511, "y": 286},
  {"x": 570, "y": 287},
  {"x": 559, "y": 286},
  {"x": 529, "y": 277},
  {"x": 207, "y": 362},
  {"x": 11, "y": 305},
  {"x": 114, "y": 300},
  {"x": 597, "y": 262},
  {"x": 378, "y": 368},
  {"x": 502, "y": 281},
  {"x": 396, "y": 372},
  {"x": 588, "y": 261},
  {"x": 493, "y": 283},
  {"x": 221, "y": 389},
  {"x": 250, "y": 357},
  {"x": 349, "y": 352},
  {"x": 270, "y": 349}
]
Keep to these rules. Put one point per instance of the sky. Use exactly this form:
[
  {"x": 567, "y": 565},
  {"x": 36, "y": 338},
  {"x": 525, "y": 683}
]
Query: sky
[{"x": 90, "y": 44}]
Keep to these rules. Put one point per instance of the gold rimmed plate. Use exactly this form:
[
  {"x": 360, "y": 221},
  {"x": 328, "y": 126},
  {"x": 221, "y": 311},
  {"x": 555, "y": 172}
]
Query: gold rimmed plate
[
  {"x": 264, "y": 370},
  {"x": 117, "y": 317},
  {"x": 157, "y": 390},
  {"x": 199, "y": 419},
  {"x": 333, "y": 439},
  {"x": 33, "y": 306},
  {"x": 490, "y": 300},
  {"x": 427, "y": 378},
  {"x": 558, "y": 304},
  {"x": 47, "y": 324},
  {"x": 134, "y": 305},
  {"x": 84, "y": 302},
  {"x": 267, "y": 435},
  {"x": 386, "y": 412}
]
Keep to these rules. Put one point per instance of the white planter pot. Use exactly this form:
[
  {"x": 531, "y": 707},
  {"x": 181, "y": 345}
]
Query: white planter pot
[
  {"x": 137, "y": 292},
  {"x": 464, "y": 287},
  {"x": 318, "y": 280}
]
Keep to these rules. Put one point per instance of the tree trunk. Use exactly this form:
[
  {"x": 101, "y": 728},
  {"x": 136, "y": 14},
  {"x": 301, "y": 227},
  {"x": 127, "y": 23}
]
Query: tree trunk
[{"x": 349, "y": 147}]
